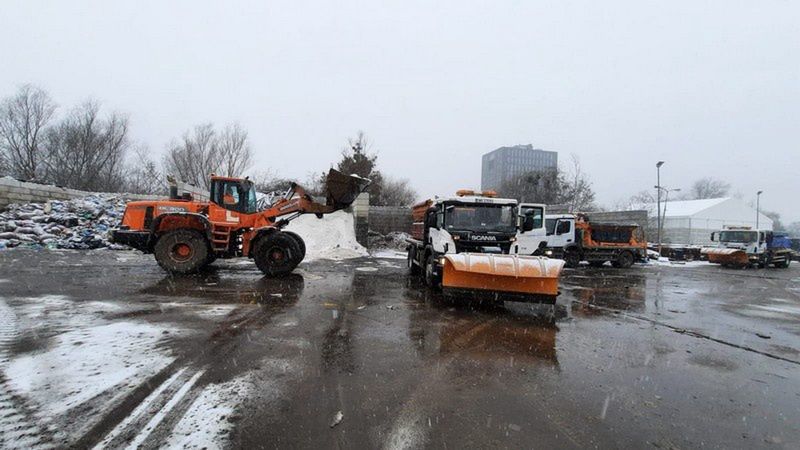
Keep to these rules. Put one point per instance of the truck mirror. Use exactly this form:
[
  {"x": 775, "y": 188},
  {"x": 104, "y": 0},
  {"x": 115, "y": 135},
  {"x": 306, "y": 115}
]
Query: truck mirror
[
  {"x": 712, "y": 236},
  {"x": 527, "y": 224}
]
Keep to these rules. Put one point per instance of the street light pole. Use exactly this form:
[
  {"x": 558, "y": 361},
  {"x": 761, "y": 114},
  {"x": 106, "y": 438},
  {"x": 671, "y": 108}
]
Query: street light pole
[
  {"x": 758, "y": 206},
  {"x": 658, "y": 212}
]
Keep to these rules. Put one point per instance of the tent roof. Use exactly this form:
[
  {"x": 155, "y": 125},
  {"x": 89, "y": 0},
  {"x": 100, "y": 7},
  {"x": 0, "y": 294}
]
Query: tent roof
[{"x": 685, "y": 208}]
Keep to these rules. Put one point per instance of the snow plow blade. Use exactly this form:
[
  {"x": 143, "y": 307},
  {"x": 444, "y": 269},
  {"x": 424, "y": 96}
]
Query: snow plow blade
[
  {"x": 531, "y": 277},
  {"x": 726, "y": 256}
]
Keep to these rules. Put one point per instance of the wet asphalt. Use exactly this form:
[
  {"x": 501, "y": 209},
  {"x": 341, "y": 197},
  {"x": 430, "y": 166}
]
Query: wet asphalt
[{"x": 652, "y": 356}]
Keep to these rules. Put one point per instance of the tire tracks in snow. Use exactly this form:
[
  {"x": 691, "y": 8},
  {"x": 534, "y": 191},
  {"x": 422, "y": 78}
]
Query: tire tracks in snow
[{"x": 19, "y": 425}]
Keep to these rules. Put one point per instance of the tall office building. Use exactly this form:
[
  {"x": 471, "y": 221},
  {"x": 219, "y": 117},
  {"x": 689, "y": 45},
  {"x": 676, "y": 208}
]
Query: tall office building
[{"x": 507, "y": 162}]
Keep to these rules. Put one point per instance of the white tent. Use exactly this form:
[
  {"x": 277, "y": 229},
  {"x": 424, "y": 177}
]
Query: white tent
[{"x": 692, "y": 221}]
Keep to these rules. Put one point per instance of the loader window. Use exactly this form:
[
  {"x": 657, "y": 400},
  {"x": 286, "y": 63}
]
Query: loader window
[{"x": 237, "y": 196}]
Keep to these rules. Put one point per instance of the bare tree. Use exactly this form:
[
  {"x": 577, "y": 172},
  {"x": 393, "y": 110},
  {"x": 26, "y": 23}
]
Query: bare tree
[
  {"x": 234, "y": 151},
  {"x": 193, "y": 159},
  {"x": 578, "y": 191},
  {"x": 23, "y": 118},
  {"x": 708, "y": 188},
  {"x": 268, "y": 181},
  {"x": 85, "y": 151},
  {"x": 203, "y": 151},
  {"x": 542, "y": 186},
  {"x": 395, "y": 192},
  {"x": 142, "y": 174}
]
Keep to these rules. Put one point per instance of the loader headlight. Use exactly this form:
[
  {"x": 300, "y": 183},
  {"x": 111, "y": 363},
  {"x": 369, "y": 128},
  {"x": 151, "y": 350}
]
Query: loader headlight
[
  {"x": 548, "y": 252},
  {"x": 441, "y": 261},
  {"x": 513, "y": 239}
]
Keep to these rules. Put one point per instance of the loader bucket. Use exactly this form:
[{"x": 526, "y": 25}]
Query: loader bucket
[
  {"x": 726, "y": 256},
  {"x": 343, "y": 189},
  {"x": 530, "y": 276}
]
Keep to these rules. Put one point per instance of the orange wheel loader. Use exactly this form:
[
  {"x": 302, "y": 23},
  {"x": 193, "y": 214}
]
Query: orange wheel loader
[{"x": 185, "y": 235}]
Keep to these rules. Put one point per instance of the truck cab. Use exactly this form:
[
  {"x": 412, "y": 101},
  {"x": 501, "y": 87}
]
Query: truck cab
[
  {"x": 468, "y": 243},
  {"x": 743, "y": 246}
]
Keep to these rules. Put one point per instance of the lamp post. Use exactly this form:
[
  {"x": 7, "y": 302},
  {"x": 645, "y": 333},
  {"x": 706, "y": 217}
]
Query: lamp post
[
  {"x": 658, "y": 207},
  {"x": 663, "y": 218},
  {"x": 758, "y": 206}
]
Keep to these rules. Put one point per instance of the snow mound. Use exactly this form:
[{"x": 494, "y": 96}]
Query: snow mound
[{"x": 332, "y": 237}]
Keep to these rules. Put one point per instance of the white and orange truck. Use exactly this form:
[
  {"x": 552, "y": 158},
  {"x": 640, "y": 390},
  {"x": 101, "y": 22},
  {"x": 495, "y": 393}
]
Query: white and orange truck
[{"x": 464, "y": 245}]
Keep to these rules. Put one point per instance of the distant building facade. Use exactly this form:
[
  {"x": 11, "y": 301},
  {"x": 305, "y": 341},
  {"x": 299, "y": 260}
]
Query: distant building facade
[{"x": 507, "y": 162}]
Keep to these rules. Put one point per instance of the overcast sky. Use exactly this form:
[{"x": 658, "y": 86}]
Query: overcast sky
[{"x": 712, "y": 88}]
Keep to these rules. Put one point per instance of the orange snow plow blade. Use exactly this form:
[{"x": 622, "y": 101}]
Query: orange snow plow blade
[
  {"x": 728, "y": 256},
  {"x": 526, "y": 275}
]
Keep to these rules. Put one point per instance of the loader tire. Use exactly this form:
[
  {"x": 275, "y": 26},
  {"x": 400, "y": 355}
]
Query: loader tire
[
  {"x": 300, "y": 243},
  {"x": 276, "y": 254},
  {"x": 182, "y": 251},
  {"x": 624, "y": 260}
]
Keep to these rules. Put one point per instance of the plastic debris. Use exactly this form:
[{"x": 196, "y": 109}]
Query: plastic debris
[
  {"x": 337, "y": 419},
  {"x": 80, "y": 224}
]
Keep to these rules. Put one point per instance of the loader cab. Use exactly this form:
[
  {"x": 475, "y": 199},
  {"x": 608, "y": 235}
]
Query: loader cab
[{"x": 233, "y": 194}]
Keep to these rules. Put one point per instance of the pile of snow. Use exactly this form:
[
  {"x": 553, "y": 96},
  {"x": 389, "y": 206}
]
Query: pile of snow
[
  {"x": 394, "y": 240},
  {"x": 82, "y": 223},
  {"x": 332, "y": 237}
]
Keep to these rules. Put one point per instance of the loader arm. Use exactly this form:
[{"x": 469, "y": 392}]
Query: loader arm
[{"x": 342, "y": 190}]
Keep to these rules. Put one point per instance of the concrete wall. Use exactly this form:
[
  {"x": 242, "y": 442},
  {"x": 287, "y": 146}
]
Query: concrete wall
[
  {"x": 361, "y": 217},
  {"x": 385, "y": 219},
  {"x": 14, "y": 191}
]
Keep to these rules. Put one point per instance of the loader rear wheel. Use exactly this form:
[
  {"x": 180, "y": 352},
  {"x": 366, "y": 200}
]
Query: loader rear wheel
[
  {"x": 624, "y": 260},
  {"x": 276, "y": 254},
  {"x": 181, "y": 251},
  {"x": 300, "y": 243}
]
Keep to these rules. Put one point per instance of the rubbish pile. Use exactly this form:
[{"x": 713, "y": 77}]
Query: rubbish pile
[
  {"x": 394, "y": 240},
  {"x": 79, "y": 224}
]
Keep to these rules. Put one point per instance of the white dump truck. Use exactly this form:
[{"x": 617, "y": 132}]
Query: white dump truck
[{"x": 745, "y": 247}]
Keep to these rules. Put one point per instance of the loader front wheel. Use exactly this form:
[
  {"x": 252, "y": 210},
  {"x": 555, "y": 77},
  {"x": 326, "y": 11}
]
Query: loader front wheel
[
  {"x": 300, "y": 244},
  {"x": 182, "y": 251},
  {"x": 276, "y": 254}
]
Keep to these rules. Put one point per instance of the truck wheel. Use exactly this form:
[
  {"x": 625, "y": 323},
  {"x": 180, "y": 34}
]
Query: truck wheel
[
  {"x": 276, "y": 254},
  {"x": 413, "y": 269},
  {"x": 181, "y": 251},
  {"x": 430, "y": 277},
  {"x": 624, "y": 260},
  {"x": 572, "y": 259},
  {"x": 785, "y": 264},
  {"x": 300, "y": 243}
]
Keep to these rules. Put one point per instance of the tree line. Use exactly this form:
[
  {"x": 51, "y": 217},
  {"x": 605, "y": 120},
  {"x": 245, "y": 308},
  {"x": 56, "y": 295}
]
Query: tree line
[{"x": 88, "y": 149}]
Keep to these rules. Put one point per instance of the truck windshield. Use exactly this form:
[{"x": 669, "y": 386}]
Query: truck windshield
[
  {"x": 497, "y": 218},
  {"x": 738, "y": 236}
]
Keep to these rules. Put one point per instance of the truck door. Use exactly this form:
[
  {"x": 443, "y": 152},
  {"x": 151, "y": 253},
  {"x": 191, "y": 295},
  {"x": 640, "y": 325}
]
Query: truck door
[
  {"x": 528, "y": 240},
  {"x": 563, "y": 233}
]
